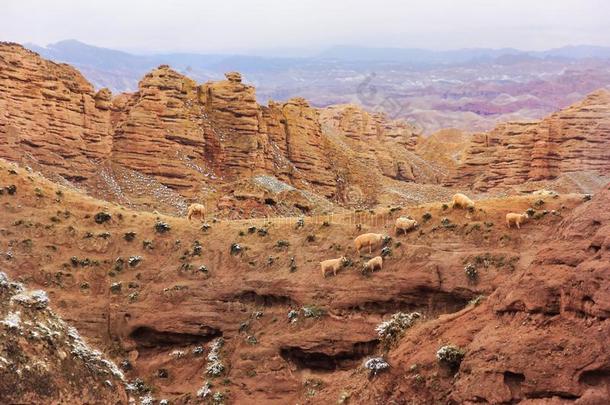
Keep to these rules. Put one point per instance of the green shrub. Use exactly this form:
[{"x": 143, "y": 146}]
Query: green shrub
[
  {"x": 391, "y": 330},
  {"x": 386, "y": 251},
  {"x": 119, "y": 263},
  {"x": 282, "y": 243},
  {"x": 197, "y": 248},
  {"x": 102, "y": 217},
  {"x": 129, "y": 236},
  {"x": 446, "y": 223},
  {"x": 471, "y": 271},
  {"x": 450, "y": 355},
  {"x": 262, "y": 232},
  {"x": 311, "y": 311},
  {"x": 293, "y": 265},
  {"x": 235, "y": 248},
  {"x": 162, "y": 227},
  {"x": 134, "y": 261},
  {"x": 476, "y": 300},
  {"x": 538, "y": 203},
  {"x": 115, "y": 288}
]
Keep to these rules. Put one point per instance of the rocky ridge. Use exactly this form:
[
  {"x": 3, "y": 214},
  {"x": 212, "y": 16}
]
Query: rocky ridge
[
  {"x": 575, "y": 139},
  {"x": 188, "y": 137}
]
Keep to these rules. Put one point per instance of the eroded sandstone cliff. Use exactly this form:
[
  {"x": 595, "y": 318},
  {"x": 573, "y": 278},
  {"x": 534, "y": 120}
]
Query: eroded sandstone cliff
[
  {"x": 572, "y": 140},
  {"x": 188, "y": 137}
]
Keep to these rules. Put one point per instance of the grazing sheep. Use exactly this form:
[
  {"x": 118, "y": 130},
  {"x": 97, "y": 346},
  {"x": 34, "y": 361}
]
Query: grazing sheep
[
  {"x": 461, "y": 201},
  {"x": 196, "y": 210},
  {"x": 332, "y": 264},
  {"x": 404, "y": 224},
  {"x": 374, "y": 264},
  {"x": 368, "y": 239},
  {"x": 517, "y": 219}
]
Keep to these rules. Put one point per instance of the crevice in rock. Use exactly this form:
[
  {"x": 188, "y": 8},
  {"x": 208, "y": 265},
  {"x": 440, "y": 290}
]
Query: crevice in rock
[
  {"x": 320, "y": 361},
  {"x": 264, "y": 299},
  {"x": 432, "y": 302},
  {"x": 551, "y": 394},
  {"x": 148, "y": 337},
  {"x": 595, "y": 377},
  {"x": 513, "y": 381},
  {"x": 594, "y": 248}
]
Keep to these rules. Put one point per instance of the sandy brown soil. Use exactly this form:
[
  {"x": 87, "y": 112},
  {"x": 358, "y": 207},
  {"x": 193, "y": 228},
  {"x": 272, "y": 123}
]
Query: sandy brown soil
[{"x": 152, "y": 317}]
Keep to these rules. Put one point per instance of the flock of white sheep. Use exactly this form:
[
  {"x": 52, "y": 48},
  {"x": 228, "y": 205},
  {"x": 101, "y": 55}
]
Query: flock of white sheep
[{"x": 375, "y": 240}]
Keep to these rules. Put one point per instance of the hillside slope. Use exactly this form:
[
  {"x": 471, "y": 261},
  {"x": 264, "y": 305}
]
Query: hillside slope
[
  {"x": 43, "y": 360},
  {"x": 541, "y": 337},
  {"x": 288, "y": 334}
]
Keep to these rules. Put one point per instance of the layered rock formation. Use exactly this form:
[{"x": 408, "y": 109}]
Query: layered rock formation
[
  {"x": 49, "y": 113},
  {"x": 541, "y": 337},
  {"x": 188, "y": 137},
  {"x": 175, "y": 141},
  {"x": 571, "y": 140}
]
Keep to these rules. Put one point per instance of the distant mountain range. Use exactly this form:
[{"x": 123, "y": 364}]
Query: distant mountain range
[
  {"x": 465, "y": 88},
  {"x": 213, "y": 65},
  {"x": 74, "y": 51}
]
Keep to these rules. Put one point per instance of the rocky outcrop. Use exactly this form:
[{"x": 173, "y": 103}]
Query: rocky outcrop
[
  {"x": 541, "y": 337},
  {"x": 43, "y": 360},
  {"x": 572, "y": 140},
  {"x": 191, "y": 138},
  {"x": 160, "y": 131},
  {"x": 51, "y": 114},
  {"x": 175, "y": 140},
  {"x": 374, "y": 149}
]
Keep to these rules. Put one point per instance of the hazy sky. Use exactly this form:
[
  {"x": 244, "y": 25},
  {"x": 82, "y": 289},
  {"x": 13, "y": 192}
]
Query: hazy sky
[{"x": 245, "y": 25}]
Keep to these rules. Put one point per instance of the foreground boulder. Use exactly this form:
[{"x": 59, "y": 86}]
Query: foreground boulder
[{"x": 43, "y": 360}]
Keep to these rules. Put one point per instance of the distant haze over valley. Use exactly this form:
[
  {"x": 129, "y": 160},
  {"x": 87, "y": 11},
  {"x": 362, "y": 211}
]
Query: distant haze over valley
[{"x": 470, "y": 89}]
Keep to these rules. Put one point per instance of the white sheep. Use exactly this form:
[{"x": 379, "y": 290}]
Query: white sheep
[
  {"x": 404, "y": 224},
  {"x": 368, "y": 239},
  {"x": 517, "y": 219},
  {"x": 374, "y": 264},
  {"x": 459, "y": 200},
  {"x": 332, "y": 264},
  {"x": 196, "y": 210}
]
